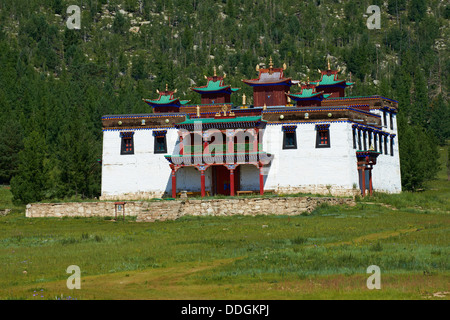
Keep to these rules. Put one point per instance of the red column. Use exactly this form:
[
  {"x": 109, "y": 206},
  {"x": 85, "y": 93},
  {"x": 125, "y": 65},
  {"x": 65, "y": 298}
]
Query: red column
[
  {"x": 363, "y": 173},
  {"x": 261, "y": 181},
  {"x": 202, "y": 175},
  {"x": 370, "y": 182},
  {"x": 232, "y": 182},
  {"x": 174, "y": 184}
]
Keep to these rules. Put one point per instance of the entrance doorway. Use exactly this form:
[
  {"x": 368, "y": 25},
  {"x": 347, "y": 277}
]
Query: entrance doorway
[{"x": 221, "y": 180}]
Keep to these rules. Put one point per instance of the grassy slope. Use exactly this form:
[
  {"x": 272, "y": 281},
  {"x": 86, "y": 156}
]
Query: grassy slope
[{"x": 324, "y": 255}]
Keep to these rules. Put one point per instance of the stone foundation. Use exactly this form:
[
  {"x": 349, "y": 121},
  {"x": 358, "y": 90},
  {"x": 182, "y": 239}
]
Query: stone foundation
[{"x": 150, "y": 211}]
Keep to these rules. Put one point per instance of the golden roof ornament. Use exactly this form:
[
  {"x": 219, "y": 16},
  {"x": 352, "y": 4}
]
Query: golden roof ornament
[
  {"x": 329, "y": 64},
  {"x": 198, "y": 111},
  {"x": 284, "y": 66},
  {"x": 167, "y": 87},
  {"x": 257, "y": 67},
  {"x": 243, "y": 99},
  {"x": 215, "y": 71},
  {"x": 224, "y": 109}
]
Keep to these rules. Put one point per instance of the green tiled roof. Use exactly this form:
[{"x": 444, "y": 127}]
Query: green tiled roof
[
  {"x": 214, "y": 86},
  {"x": 308, "y": 93},
  {"x": 330, "y": 80},
  {"x": 165, "y": 99}
]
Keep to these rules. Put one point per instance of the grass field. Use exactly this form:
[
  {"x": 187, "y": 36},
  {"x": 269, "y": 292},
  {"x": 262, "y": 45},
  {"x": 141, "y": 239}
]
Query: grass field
[{"x": 321, "y": 256}]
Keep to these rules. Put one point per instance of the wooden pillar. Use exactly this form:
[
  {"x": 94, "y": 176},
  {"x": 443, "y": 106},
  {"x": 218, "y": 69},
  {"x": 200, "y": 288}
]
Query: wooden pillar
[
  {"x": 232, "y": 182},
  {"x": 261, "y": 181},
  {"x": 202, "y": 174},
  {"x": 174, "y": 184},
  {"x": 370, "y": 182},
  {"x": 363, "y": 173}
]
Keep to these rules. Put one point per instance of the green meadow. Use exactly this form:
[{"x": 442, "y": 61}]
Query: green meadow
[{"x": 324, "y": 255}]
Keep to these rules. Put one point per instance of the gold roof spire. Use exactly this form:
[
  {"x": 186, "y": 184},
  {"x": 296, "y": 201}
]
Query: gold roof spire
[
  {"x": 329, "y": 64},
  {"x": 215, "y": 71},
  {"x": 167, "y": 87}
]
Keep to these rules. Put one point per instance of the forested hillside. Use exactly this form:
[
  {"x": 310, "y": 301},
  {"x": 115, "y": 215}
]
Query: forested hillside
[{"x": 56, "y": 83}]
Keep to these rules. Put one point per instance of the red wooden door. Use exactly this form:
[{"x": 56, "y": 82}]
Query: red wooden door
[{"x": 222, "y": 180}]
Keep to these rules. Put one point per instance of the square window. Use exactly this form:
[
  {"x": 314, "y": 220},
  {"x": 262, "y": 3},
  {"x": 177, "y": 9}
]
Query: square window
[
  {"x": 127, "y": 146},
  {"x": 290, "y": 140},
  {"x": 323, "y": 139},
  {"x": 160, "y": 145}
]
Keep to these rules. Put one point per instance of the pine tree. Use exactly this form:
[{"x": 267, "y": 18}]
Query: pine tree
[{"x": 30, "y": 183}]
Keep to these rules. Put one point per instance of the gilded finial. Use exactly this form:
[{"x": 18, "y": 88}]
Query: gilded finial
[
  {"x": 329, "y": 64},
  {"x": 257, "y": 67},
  {"x": 265, "y": 107},
  {"x": 224, "y": 109},
  {"x": 215, "y": 71},
  {"x": 307, "y": 81},
  {"x": 167, "y": 87},
  {"x": 157, "y": 91},
  {"x": 284, "y": 66},
  {"x": 270, "y": 63},
  {"x": 243, "y": 99},
  {"x": 198, "y": 111}
]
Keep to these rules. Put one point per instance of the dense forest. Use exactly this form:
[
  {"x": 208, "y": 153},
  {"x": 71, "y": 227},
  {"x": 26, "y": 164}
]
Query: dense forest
[{"x": 56, "y": 82}]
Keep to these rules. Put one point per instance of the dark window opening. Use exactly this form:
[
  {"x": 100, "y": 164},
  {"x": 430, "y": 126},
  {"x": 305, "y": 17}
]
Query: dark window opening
[
  {"x": 127, "y": 146},
  {"x": 392, "y": 146},
  {"x": 391, "y": 115},
  {"x": 323, "y": 139},
  {"x": 384, "y": 119},
  {"x": 160, "y": 145},
  {"x": 359, "y": 140},
  {"x": 354, "y": 138},
  {"x": 290, "y": 140},
  {"x": 364, "y": 140},
  {"x": 385, "y": 145}
]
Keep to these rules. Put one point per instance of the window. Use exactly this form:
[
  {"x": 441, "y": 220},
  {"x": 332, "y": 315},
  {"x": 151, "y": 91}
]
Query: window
[
  {"x": 127, "y": 145},
  {"x": 160, "y": 145},
  {"x": 392, "y": 145},
  {"x": 289, "y": 137},
  {"x": 354, "y": 138},
  {"x": 323, "y": 136},
  {"x": 364, "y": 139},
  {"x": 370, "y": 138},
  {"x": 384, "y": 119},
  {"x": 391, "y": 116},
  {"x": 385, "y": 144},
  {"x": 359, "y": 140}
]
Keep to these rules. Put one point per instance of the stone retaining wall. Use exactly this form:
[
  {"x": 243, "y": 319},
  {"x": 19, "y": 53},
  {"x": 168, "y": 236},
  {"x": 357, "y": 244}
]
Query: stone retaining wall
[{"x": 170, "y": 210}]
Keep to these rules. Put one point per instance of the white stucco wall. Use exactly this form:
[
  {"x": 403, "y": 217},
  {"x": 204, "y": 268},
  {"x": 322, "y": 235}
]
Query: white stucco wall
[{"x": 306, "y": 169}]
